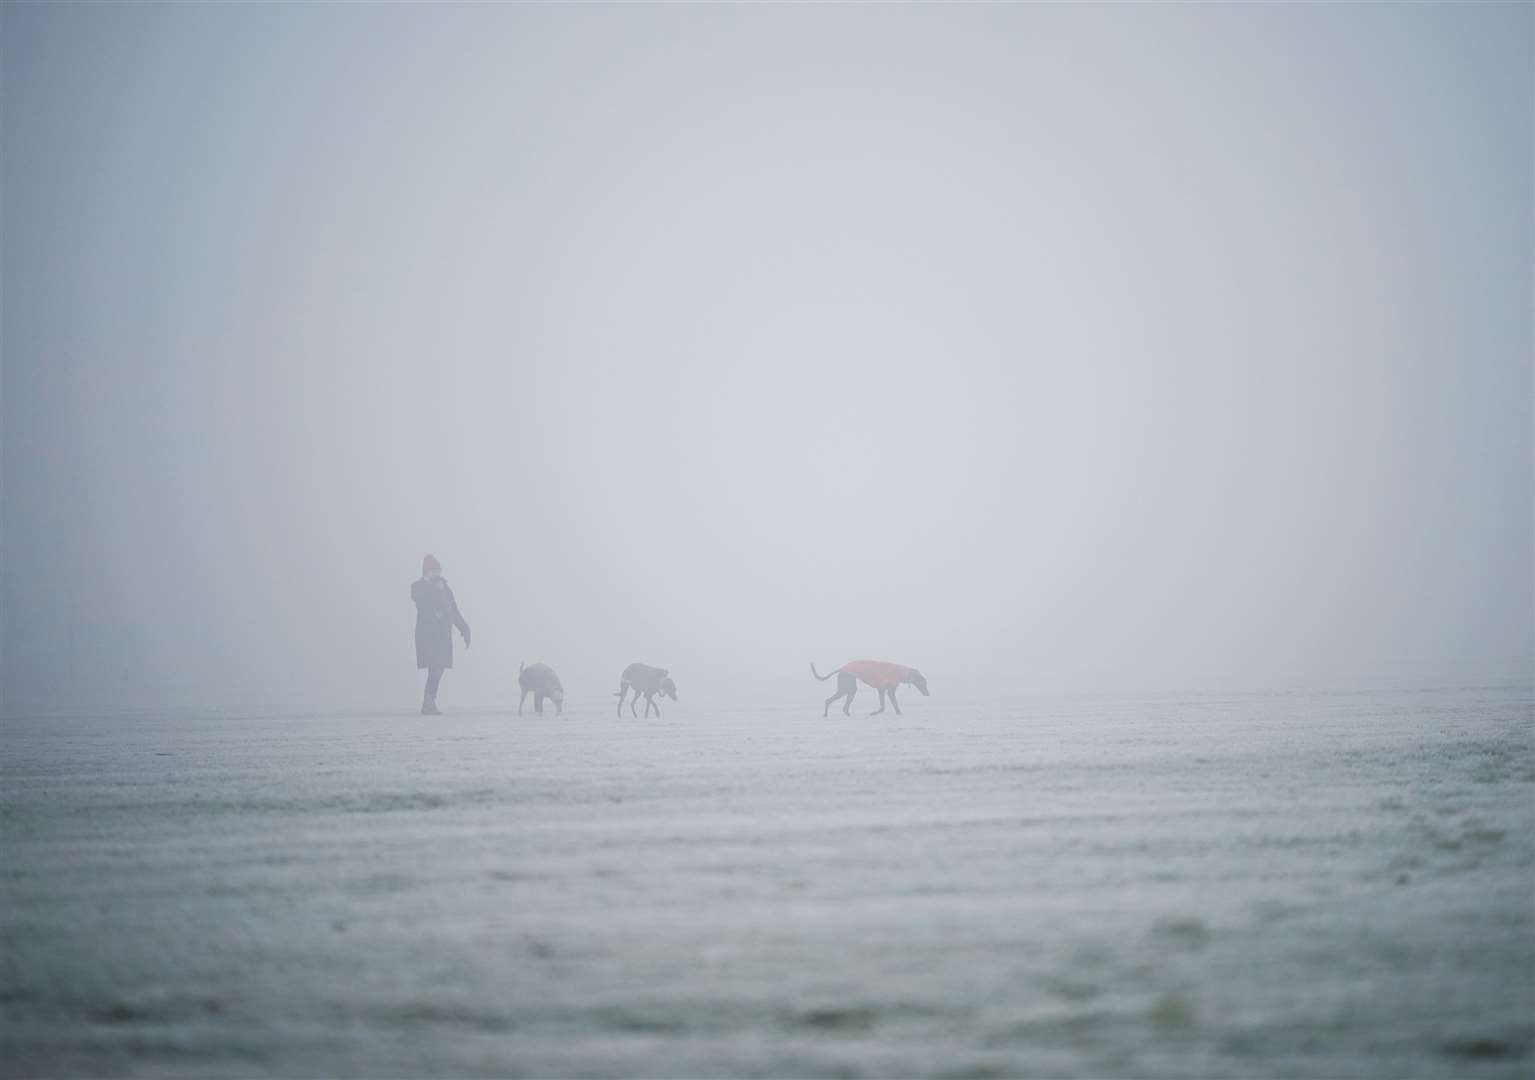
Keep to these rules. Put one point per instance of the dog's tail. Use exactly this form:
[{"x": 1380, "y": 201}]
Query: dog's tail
[{"x": 823, "y": 678}]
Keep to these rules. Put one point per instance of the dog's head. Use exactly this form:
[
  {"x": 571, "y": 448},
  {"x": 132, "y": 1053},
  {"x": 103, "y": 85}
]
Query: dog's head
[
  {"x": 917, "y": 679},
  {"x": 669, "y": 688}
]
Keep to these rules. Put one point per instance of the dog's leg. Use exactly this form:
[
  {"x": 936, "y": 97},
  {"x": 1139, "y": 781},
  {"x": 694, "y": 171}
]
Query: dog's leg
[
  {"x": 634, "y": 703},
  {"x": 848, "y": 684},
  {"x": 881, "y": 708},
  {"x": 650, "y": 703},
  {"x": 839, "y": 695},
  {"x": 894, "y": 702},
  {"x": 520, "y": 701},
  {"x": 623, "y": 689},
  {"x": 538, "y": 704}
]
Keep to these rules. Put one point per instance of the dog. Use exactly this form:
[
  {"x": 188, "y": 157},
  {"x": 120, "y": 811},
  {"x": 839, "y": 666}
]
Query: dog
[
  {"x": 647, "y": 680},
  {"x": 540, "y": 681},
  {"x": 884, "y": 677}
]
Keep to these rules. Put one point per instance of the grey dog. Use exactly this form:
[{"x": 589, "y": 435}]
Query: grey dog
[
  {"x": 647, "y": 680},
  {"x": 540, "y": 681}
]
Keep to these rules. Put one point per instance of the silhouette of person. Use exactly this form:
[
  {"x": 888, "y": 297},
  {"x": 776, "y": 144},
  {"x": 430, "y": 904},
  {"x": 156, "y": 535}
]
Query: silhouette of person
[{"x": 436, "y": 615}]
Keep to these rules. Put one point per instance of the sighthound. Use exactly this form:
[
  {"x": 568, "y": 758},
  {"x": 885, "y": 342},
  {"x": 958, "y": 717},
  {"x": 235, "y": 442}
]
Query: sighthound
[
  {"x": 880, "y": 674},
  {"x": 647, "y": 680},
  {"x": 540, "y": 681}
]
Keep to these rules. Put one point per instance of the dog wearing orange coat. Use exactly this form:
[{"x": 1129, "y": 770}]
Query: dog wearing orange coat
[{"x": 883, "y": 676}]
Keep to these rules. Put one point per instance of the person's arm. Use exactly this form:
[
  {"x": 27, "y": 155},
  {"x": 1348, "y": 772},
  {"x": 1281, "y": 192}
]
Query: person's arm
[{"x": 458, "y": 618}]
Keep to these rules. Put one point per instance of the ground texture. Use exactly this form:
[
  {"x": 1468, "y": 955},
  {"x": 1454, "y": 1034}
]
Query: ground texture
[{"x": 1266, "y": 885}]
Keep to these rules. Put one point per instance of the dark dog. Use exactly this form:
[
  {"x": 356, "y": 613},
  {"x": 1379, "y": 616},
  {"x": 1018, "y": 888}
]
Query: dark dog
[
  {"x": 884, "y": 677},
  {"x": 647, "y": 680},
  {"x": 540, "y": 681}
]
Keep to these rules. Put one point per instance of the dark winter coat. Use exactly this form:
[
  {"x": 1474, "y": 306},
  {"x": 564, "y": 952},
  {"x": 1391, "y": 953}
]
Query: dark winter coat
[
  {"x": 648, "y": 680},
  {"x": 540, "y": 679},
  {"x": 436, "y": 616}
]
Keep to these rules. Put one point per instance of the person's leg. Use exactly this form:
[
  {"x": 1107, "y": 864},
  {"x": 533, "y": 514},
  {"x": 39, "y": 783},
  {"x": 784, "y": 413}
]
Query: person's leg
[{"x": 429, "y": 699}]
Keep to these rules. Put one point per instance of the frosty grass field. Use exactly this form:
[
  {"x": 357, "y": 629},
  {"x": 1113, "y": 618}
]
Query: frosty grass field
[{"x": 1252, "y": 885}]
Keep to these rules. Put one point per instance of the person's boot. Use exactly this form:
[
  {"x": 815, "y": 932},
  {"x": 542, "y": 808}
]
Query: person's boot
[{"x": 429, "y": 707}]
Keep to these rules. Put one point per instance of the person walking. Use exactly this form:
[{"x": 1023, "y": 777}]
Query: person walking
[{"x": 436, "y": 615}]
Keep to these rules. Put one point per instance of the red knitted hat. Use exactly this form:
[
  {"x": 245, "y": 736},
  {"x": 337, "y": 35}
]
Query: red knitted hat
[{"x": 429, "y": 564}]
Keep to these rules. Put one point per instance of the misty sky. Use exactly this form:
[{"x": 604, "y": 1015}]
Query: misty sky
[{"x": 1041, "y": 347}]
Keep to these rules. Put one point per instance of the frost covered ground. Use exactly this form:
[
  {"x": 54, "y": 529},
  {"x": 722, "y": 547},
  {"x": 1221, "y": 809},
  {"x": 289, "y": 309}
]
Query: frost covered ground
[{"x": 1275, "y": 885}]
